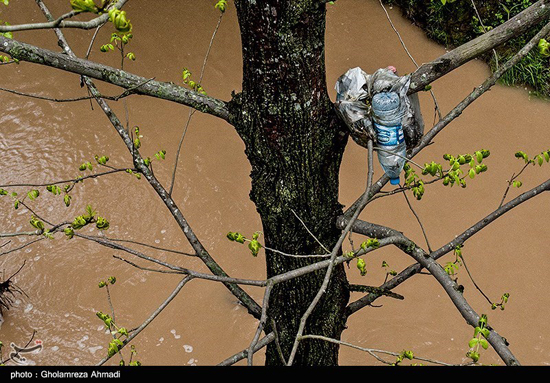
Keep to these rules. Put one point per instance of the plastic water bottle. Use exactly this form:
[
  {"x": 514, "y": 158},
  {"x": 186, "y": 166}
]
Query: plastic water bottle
[{"x": 387, "y": 116}]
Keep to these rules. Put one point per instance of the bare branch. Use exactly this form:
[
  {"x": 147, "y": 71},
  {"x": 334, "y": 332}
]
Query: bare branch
[
  {"x": 379, "y": 231},
  {"x": 372, "y": 351},
  {"x": 138, "y": 84},
  {"x": 96, "y": 175},
  {"x": 244, "y": 354},
  {"x": 124, "y": 94}
]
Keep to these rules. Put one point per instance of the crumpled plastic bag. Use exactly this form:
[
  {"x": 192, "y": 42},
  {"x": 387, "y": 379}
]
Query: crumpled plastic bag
[
  {"x": 351, "y": 106},
  {"x": 355, "y": 90}
]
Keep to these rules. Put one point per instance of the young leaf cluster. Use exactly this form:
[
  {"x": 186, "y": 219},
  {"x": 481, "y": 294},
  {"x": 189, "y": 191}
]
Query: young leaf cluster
[
  {"x": 544, "y": 48},
  {"x": 481, "y": 332},
  {"x": 475, "y": 162},
  {"x": 539, "y": 159},
  {"x": 221, "y": 5},
  {"x": 83, "y": 220},
  {"x": 405, "y": 354},
  {"x": 120, "y": 40},
  {"x": 254, "y": 245},
  {"x": 503, "y": 301},
  {"x": 186, "y": 76},
  {"x": 119, "y": 334},
  {"x": 372, "y": 243}
]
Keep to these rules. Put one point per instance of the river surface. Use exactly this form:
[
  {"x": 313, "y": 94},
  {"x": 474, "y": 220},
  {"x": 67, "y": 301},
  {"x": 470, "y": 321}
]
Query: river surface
[{"x": 42, "y": 141}]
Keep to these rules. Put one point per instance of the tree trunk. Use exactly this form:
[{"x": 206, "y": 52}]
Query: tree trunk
[{"x": 294, "y": 143}]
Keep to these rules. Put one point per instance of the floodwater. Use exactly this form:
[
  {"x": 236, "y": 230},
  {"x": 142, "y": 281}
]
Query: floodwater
[{"x": 42, "y": 141}]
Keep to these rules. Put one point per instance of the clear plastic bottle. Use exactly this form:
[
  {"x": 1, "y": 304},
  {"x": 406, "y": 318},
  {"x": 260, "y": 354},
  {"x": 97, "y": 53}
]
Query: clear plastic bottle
[{"x": 387, "y": 116}]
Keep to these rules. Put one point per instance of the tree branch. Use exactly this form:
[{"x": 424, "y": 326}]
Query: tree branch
[
  {"x": 378, "y": 231},
  {"x": 62, "y": 22},
  {"x": 202, "y": 253},
  {"x": 522, "y": 22},
  {"x": 138, "y": 84}
]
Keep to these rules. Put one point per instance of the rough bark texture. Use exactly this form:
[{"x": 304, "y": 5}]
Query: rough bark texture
[{"x": 294, "y": 142}]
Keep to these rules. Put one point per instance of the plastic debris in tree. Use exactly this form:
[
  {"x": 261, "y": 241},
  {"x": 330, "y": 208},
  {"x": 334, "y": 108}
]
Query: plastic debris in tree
[{"x": 376, "y": 107}]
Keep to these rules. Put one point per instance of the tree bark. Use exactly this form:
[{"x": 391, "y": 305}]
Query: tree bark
[{"x": 294, "y": 142}]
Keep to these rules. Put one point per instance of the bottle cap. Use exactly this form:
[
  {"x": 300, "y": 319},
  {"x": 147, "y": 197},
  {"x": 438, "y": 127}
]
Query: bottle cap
[{"x": 394, "y": 181}]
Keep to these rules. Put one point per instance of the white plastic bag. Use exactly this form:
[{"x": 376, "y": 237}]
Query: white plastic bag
[{"x": 355, "y": 89}]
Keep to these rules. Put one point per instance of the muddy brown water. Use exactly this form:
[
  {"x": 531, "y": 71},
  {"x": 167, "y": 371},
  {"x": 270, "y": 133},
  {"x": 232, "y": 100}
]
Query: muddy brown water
[{"x": 42, "y": 141}]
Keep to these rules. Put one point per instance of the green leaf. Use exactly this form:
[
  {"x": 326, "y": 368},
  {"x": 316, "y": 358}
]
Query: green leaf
[
  {"x": 79, "y": 222},
  {"x": 54, "y": 189},
  {"x": 90, "y": 212},
  {"x": 221, "y": 5},
  {"x": 484, "y": 343},
  {"x": 523, "y": 155},
  {"x": 69, "y": 232},
  {"x": 102, "y": 160},
  {"x": 119, "y": 20},
  {"x": 482, "y": 320},
  {"x": 479, "y": 156},
  {"x": 408, "y": 354},
  {"x": 102, "y": 223},
  {"x": 84, "y": 6},
  {"x": 33, "y": 194},
  {"x": 161, "y": 154},
  {"x": 240, "y": 238},
  {"x": 36, "y": 223},
  {"x": 237, "y": 237},
  {"x": 473, "y": 355},
  {"x": 254, "y": 247},
  {"x": 361, "y": 265},
  {"x": 544, "y": 48}
]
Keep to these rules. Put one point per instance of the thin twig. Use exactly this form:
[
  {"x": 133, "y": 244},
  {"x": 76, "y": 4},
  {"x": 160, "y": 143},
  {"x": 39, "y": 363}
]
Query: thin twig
[
  {"x": 510, "y": 182},
  {"x": 436, "y": 105},
  {"x": 372, "y": 351},
  {"x": 135, "y": 332},
  {"x": 309, "y": 231},
  {"x": 126, "y": 93},
  {"x": 418, "y": 220},
  {"x": 484, "y": 30},
  {"x": 192, "y": 110}
]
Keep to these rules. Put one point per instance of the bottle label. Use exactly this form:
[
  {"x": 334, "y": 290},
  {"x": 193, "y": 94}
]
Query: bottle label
[{"x": 389, "y": 135}]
